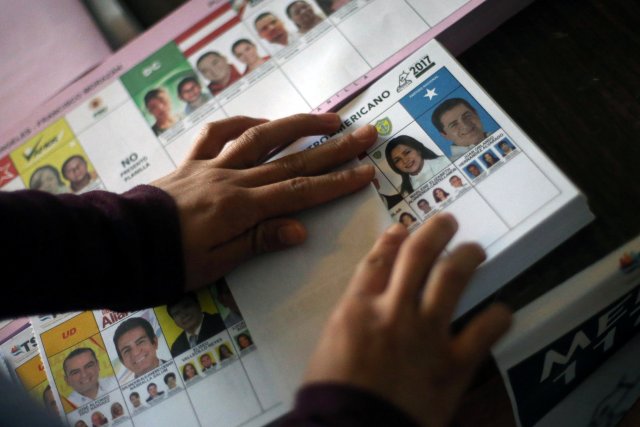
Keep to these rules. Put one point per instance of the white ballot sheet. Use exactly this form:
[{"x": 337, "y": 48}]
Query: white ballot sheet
[{"x": 443, "y": 145}]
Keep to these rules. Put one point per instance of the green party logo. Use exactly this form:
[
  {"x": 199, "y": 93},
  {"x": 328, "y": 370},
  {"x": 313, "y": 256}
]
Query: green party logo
[{"x": 384, "y": 126}]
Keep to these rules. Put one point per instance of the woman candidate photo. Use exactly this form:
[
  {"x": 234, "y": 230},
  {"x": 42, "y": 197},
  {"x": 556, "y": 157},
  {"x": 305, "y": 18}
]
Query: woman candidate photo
[{"x": 414, "y": 162}]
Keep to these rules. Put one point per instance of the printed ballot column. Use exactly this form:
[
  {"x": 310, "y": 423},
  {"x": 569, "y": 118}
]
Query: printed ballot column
[
  {"x": 55, "y": 162},
  {"x": 114, "y": 133}
]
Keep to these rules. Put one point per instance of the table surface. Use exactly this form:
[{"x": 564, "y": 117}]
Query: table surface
[{"x": 567, "y": 72}]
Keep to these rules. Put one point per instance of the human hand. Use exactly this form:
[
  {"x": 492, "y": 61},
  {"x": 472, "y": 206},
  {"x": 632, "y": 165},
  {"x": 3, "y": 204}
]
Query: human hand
[
  {"x": 390, "y": 337},
  {"x": 232, "y": 207}
]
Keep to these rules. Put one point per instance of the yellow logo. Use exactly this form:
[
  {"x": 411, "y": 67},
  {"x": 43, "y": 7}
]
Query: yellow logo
[{"x": 383, "y": 126}]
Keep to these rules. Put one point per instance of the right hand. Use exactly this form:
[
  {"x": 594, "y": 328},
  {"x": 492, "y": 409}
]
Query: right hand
[
  {"x": 390, "y": 334},
  {"x": 232, "y": 207}
]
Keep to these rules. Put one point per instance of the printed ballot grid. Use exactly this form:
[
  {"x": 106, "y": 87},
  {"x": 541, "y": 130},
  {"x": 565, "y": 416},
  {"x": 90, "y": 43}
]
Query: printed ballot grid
[
  {"x": 144, "y": 372},
  {"x": 140, "y": 126},
  {"x": 441, "y": 150}
]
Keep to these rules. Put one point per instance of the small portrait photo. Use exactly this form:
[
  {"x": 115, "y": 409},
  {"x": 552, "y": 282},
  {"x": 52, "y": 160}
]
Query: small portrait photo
[
  {"x": 330, "y": 6},
  {"x": 136, "y": 402},
  {"x": 171, "y": 381},
  {"x": 207, "y": 362},
  {"x": 450, "y": 115},
  {"x": 117, "y": 411},
  {"x": 153, "y": 86},
  {"x": 244, "y": 340},
  {"x": 81, "y": 176},
  {"x": 154, "y": 393},
  {"x": 190, "y": 320},
  {"x": 407, "y": 219},
  {"x": 272, "y": 26},
  {"x": 191, "y": 94},
  {"x": 224, "y": 351},
  {"x": 47, "y": 178},
  {"x": 456, "y": 182},
  {"x": 505, "y": 147},
  {"x": 489, "y": 159},
  {"x": 226, "y": 303},
  {"x": 247, "y": 52},
  {"x": 189, "y": 372},
  {"x": 473, "y": 170},
  {"x": 424, "y": 206},
  {"x": 461, "y": 124},
  {"x": 136, "y": 346},
  {"x": 413, "y": 162},
  {"x": 83, "y": 373},
  {"x": 67, "y": 170},
  {"x": 305, "y": 15},
  {"x": 98, "y": 419},
  {"x": 439, "y": 194}
]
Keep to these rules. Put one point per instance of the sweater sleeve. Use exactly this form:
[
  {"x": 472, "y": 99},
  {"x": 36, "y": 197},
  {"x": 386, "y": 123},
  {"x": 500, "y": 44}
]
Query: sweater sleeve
[
  {"x": 96, "y": 250},
  {"x": 342, "y": 405}
]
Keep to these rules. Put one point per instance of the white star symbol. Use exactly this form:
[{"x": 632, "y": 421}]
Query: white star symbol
[
  {"x": 430, "y": 94},
  {"x": 5, "y": 174}
]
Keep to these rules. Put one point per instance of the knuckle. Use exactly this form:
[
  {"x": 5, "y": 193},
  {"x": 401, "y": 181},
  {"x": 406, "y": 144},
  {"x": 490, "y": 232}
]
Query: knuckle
[
  {"x": 375, "y": 261},
  {"x": 254, "y": 133},
  {"x": 300, "y": 184},
  {"x": 301, "y": 117},
  {"x": 294, "y": 165}
]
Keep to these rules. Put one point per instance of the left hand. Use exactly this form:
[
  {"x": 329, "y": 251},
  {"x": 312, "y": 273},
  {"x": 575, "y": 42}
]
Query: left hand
[
  {"x": 390, "y": 334},
  {"x": 232, "y": 207}
]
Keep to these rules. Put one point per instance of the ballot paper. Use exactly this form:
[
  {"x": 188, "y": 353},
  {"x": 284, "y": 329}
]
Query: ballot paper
[
  {"x": 22, "y": 364},
  {"x": 571, "y": 356},
  {"x": 467, "y": 158},
  {"x": 134, "y": 118}
]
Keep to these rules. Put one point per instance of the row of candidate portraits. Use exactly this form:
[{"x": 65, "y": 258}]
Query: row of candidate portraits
[
  {"x": 302, "y": 14},
  {"x": 488, "y": 158},
  {"x": 458, "y": 122},
  {"x": 440, "y": 194},
  {"x": 98, "y": 418},
  {"x": 136, "y": 344},
  {"x": 214, "y": 66},
  {"x": 75, "y": 171}
]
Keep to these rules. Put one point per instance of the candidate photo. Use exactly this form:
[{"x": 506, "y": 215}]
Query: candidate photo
[
  {"x": 136, "y": 344},
  {"x": 81, "y": 369},
  {"x": 504, "y": 147},
  {"x": 76, "y": 170},
  {"x": 197, "y": 325},
  {"x": 458, "y": 124},
  {"x": 217, "y": 70},
  {"x": 413, "y": 162}
]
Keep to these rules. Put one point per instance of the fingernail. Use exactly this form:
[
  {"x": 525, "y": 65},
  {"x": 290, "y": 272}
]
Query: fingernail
[
  {"x": 397, "y": 230},
  {"x": 330, "y": 118},
  {"x": 292, "y": 234},
  {"x": 450, "y": 219},
  {"x": 365, "y": 133},
  {"x": 366, "y": 170}
]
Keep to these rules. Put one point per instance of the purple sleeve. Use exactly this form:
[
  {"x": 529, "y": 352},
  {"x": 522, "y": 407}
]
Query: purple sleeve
[
  {"x": 96, "y": 250},
  {"x": 341, "y": 405}
]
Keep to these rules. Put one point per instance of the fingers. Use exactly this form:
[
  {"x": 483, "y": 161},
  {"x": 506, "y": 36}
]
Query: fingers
[
  {"x": 267, "y": 236},
  {"x": 254, "y": 145},
  {"x": 417, "y": 257},
  {"x": 474, "y": 342},
  {"x": 315, "y": 161},
  {"x": 214, "y": 136},
  {"x": 448, "y": 280},
  {"x": 372, "y": 274},
  {"x": 300, "y": 193}
]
